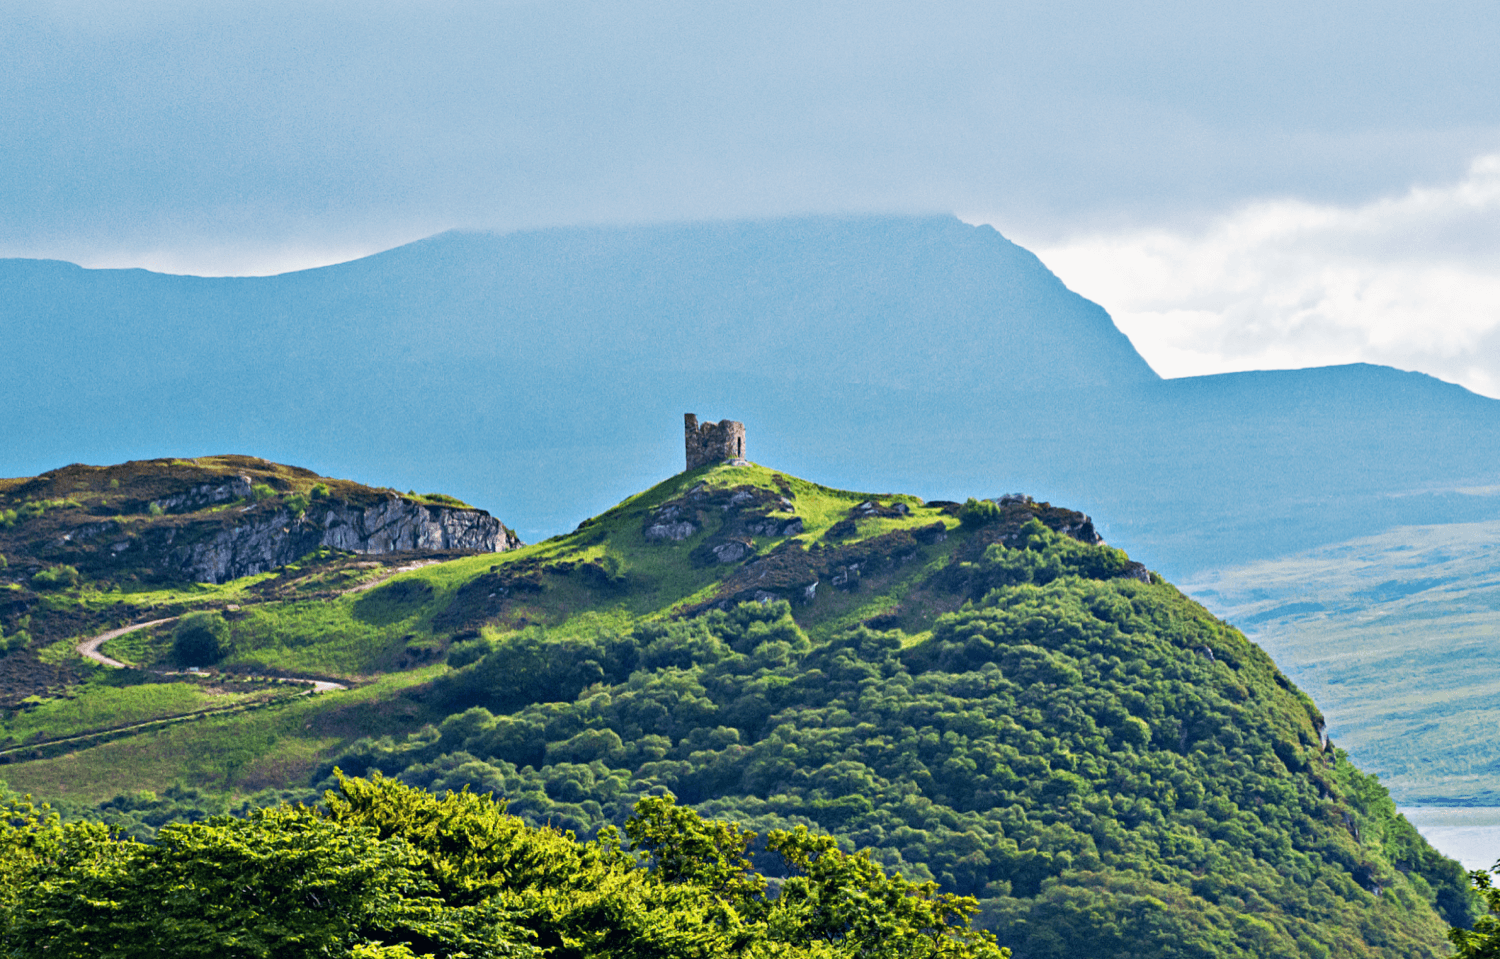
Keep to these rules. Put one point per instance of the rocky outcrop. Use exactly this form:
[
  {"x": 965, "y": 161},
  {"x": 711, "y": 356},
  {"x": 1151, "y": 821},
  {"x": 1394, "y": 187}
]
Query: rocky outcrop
[
  {"x": 397, "y": 524},
  {"x": 204, "y": 495},
  {"x": 268, "y": 541}
]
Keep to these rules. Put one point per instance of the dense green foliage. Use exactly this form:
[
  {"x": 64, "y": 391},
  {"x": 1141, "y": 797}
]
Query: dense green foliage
[
  {"x": 15, "y": 642},
  {"x": 1109, "y": 769},
  {"x": 56, "y": 577},
  {"x": 199, "y": 638},
  {"x": 1482, "y": 941},
  {"x": 385, "y": 870},
  {"x": 981, "y": 696}
]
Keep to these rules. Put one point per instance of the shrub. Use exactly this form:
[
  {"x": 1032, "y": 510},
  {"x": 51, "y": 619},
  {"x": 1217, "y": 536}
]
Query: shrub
[
  {"x": 261, "y": 491},
  {"x": 3, "y": 561},
  {"x": 200, "y": 639},
  {"x": 58, "y": 577},
  {"x": 155, "y": 509},
  {"x": 13, "y": 643},
  {"x": 296, "y": 505},
  {"x": 443, "y": 499},
  {"x": 978, "y": 512},
  {"x": 471, "y": 651},
  {"x": 320, "y": 491},
  {"x": 7, "y": 518},
  {"x": 114, "y": 484}
]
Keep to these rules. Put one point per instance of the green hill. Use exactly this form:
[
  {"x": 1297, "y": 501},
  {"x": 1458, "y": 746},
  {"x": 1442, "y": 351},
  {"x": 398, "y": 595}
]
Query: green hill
[{"x": 981, "y": 694}]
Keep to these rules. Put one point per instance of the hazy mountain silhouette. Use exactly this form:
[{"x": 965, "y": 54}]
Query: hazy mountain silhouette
[{"x": 543, "y": 375}]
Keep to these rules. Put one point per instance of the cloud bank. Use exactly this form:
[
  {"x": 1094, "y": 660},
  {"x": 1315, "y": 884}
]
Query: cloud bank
[
  {"x": 254, "y": 136},
  {"x": 1411, "y": 281}
]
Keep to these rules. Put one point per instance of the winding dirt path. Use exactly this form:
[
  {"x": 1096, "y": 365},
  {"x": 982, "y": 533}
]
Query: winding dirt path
[
  {"x": 386, "y": 574},
  {"x": 89, "y": 649}
]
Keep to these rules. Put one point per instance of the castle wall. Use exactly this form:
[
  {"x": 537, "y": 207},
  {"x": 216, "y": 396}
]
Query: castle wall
[{"x": 713, "y": 442}]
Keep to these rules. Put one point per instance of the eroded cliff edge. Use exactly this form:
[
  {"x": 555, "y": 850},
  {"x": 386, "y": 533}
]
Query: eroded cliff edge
[{"x": 219, "y": 518}]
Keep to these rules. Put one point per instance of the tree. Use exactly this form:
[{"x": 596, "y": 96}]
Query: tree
[
  {"x": 1483, "y": 941},
  {"x": 286, "y": 881},
  {"x": 390, "y": 871},
  {"x": 199, "y": 639}
]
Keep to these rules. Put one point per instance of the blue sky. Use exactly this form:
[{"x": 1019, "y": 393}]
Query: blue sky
[{"x": 1277, "y": 184}]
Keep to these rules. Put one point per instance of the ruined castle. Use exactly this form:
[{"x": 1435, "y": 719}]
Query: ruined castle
[{"x": 713, "y": 442}]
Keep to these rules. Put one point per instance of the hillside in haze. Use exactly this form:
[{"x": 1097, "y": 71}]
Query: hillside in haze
[{"x": 904, "y": 353}]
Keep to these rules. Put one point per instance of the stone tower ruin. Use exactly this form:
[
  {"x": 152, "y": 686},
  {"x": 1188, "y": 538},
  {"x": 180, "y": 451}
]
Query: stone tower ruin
[{"x": 713, "y": 442}]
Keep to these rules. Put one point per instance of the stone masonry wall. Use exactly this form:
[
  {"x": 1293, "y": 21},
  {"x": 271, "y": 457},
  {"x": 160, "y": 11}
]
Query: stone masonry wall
[{"x": 713, "y": 442}]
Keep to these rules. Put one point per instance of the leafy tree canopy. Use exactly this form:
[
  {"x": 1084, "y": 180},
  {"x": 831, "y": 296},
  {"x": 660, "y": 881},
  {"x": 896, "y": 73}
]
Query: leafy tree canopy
[{"x": 386, "y": 870}]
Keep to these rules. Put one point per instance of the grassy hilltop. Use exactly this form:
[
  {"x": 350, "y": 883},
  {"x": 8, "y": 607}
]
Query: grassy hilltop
[{"x": 981, "y": 694}]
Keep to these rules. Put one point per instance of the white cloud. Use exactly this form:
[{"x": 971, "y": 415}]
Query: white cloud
[
  {"x": 222, "y": 259},
  {"x": 1411, "y": 281}
]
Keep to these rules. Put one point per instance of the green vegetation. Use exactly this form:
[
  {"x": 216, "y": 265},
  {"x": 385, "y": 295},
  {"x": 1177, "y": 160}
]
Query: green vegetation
[
  {"x": 1397, "y": 647},
  {"x": 978, "y": 696},
  {"x": 384, "y": 870},
  {"x": 442, "y": 499},
  {"x": 57, "y": 577},
  {"x": 1057, "y": 750},
  {"x": 104, "y": 706},
  {"x": 233, "y": 755},
  {"x": 1483, "y": 940},
  {"x": 199, "y": 639}
]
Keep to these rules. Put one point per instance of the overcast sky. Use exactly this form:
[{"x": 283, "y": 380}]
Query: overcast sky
[{"x": 1242, "y": 186}]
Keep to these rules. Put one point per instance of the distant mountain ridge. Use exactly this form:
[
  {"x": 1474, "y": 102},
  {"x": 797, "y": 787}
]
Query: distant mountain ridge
[
  {"x": 912, "y": 353},
  {"x": 883, "y": 301}
]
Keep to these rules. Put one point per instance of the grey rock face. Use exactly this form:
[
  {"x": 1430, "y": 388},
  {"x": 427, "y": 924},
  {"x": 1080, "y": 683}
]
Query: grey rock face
[
  {"x": 397, "y": 524},
  {"x": 207, "y": 494},
  {"x": 674, "y": 531},
  {"x": 772, "y": 526},
  {"x": 393, "y": 525},
  {"x": 731, "y": 552}
]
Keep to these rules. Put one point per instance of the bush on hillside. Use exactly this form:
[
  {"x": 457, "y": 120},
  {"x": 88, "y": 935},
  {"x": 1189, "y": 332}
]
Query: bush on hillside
[
  {"x": 199, "y": 639},
  {"x": 978, "y": 512},
  {"x": 13, "y": 643},
  {"x": 57, "y": 577}
]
